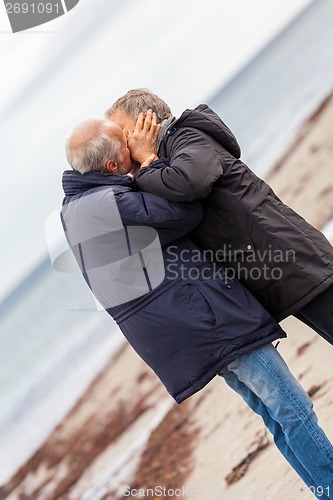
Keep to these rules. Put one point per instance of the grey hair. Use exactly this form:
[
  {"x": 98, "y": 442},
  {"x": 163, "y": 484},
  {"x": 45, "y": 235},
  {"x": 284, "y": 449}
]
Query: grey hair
[
  {"x": 88, "y": 149},
  {"x": 137, "y": 100}
]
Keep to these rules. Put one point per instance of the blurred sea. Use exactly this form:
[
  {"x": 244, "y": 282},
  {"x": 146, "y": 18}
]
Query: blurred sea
[
  {"x": 51, "y": 349},
  {"x": 270, "y": 98}
]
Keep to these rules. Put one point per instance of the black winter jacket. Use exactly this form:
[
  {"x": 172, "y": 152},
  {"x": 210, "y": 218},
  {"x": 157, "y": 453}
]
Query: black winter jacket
[
  {"x": 184, "y": 323},
  {"x": 283, "y": 260}
]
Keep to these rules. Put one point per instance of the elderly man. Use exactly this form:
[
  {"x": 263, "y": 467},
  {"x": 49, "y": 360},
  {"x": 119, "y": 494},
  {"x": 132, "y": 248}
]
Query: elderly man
[
  {"x": 284, "y": 261},
  {"x": 188, "y": 327}
]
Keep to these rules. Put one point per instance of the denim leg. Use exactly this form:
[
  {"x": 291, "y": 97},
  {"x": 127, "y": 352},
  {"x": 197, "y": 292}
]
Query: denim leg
[
  {"x": 274, "y": 427},
  {"x": 265, "y": 373}
]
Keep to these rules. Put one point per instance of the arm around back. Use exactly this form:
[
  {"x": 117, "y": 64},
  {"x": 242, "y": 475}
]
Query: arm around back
[
  {"x": 171, "y": 220},
  {"x": 194, "y": 167}
]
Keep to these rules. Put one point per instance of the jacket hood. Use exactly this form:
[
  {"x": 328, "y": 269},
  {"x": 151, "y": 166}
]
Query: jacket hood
[
  {"x": 205, "y": 119},
  {"x": 75, "y": 183}
]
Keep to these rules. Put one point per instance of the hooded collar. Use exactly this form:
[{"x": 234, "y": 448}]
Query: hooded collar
[
  {"x": 166, "y": 126},
  {"x": 75, "y": 183},
  {"x": 206, "y": 120}
]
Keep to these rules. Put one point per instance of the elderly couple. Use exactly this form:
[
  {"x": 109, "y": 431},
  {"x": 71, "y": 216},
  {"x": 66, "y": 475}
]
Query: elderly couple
[{"x": 147, "y": 189}]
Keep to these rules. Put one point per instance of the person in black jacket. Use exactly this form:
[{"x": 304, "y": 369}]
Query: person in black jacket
[
  {"x": 186, "y": 319},
  {"x": 283, "y": 260}
]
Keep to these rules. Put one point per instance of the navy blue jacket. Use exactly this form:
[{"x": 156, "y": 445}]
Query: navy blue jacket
[{"x": 185, "y": 319}]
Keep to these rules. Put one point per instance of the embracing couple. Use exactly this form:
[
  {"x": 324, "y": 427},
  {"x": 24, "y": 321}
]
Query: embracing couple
[{"x": 146, "y": 190}]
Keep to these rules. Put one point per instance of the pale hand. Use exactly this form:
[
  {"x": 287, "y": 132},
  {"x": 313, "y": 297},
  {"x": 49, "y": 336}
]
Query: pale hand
[{"x": 142, "y": 142}]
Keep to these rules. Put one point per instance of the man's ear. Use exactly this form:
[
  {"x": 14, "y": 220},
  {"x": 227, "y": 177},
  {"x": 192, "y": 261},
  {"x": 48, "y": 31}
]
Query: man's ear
[{"x": 112, "y": 166}]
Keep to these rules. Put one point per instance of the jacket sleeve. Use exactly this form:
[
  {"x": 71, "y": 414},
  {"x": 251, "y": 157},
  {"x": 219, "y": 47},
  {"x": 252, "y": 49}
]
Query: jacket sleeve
[
  {"x": 171, "y": 220},
  {"x": 194, "y": 167}
]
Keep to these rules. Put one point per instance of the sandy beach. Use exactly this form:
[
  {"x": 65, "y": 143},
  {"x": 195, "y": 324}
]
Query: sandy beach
[{"x": 126, "y": 435}]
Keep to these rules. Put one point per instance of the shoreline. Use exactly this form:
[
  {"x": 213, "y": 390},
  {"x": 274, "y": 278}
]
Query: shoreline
[{"x": 126, "y": 431}]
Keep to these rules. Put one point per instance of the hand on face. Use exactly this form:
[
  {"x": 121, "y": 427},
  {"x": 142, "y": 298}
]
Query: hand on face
[{"x": 142, "y": 141}]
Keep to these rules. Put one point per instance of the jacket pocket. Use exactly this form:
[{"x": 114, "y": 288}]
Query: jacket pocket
[{"x": 197, "y": 305}]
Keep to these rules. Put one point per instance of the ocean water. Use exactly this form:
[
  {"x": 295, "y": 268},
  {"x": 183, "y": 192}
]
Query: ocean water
[
  {"x": 53, "y": 340},
  {"x": 267, "y": 102}
]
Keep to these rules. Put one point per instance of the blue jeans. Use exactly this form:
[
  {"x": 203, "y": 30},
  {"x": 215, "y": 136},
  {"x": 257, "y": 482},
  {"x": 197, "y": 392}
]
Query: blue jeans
[{"x": 265, "y": 383}]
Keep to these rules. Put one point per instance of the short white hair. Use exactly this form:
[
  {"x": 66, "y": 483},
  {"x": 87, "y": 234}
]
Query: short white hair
[{"x": 88, "y": 149}]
